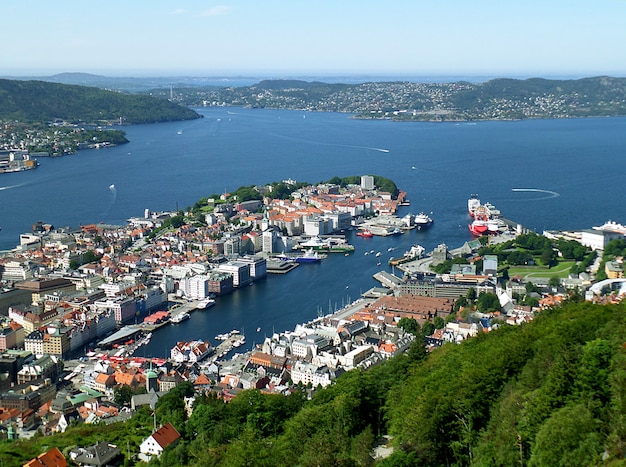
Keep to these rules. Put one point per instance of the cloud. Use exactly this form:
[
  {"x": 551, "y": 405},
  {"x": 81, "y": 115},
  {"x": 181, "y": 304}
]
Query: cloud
[
  {"x": 179, "y": 11},
  {"x": 216, "y": 11}
]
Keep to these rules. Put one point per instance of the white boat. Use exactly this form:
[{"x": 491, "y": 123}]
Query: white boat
[
  {"x": 422, "y": 220},
  {"x": 205, "y": 303},
  {"x": 180, "y": 317}
]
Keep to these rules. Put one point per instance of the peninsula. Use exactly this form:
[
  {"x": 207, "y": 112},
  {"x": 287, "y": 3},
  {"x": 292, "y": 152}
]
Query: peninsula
[
  {"x": 355, "y": 372},
  {"x": 498, "y": 99}
]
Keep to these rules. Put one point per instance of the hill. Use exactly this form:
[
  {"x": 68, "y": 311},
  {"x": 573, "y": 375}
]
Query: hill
[
  {"x": 39, "y": 101},
  {"x": 498, "y": 99}
]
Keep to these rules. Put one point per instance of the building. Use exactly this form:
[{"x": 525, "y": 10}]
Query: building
[
  {"x": 122, "y": 307},
  {"x": 614, "y": 270},
  {"x": 597, "y": 239},
  {"x": 51, "y": 458},
  {"x": 258, "y": 266},
  {"x": 307, "y": 373},
  {"x": 195, "y": 287},
  {"x": 220, "y": 282},
  {"x": 100, "y": 454},
  {"x": 11, "y": 336},
  {"x": 310, "y": 345},
  {"x": 240, "y": 272},
  {"x": 155, "y": 444},
  {"x": 46, "y": 367},
  {"x": 490, "y": 265},
  {"x": 367, "y": 182}
]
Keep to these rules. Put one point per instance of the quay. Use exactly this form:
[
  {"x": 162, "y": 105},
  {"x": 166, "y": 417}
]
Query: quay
[{"x": 276, "y": 266}]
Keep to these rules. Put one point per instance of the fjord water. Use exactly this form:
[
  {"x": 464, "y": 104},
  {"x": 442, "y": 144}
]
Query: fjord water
[{"x": 544, "y": 174}]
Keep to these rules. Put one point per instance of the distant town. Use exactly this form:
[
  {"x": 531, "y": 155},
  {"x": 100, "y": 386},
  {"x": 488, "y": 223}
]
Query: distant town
[{"x": 77, "y": 304}]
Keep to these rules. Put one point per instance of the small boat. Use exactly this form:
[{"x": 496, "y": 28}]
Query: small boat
[
  {"x": 205, "y": 303},
  {"x": 179, "y": 318},
  {"x": 258, "y": 329},
  {"x": 365, "y": 233},
  {"x": 378, "y": 254}
]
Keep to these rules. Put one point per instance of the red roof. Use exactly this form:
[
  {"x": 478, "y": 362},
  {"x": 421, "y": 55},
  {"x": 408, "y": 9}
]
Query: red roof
[
  {"x": 166, "y": 435},
  {"x": 52, "y": 458}
]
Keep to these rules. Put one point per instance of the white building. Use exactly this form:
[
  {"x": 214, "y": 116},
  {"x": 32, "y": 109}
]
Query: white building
[
  {"x": 367, "y": 182},
  {"x": 306, "y": 373},
  {"x": 597, "y": 239},
  {"x": 239, "y": 270},
  {"x": 195, "y": 287},
  {"x": 123, "y": 307},
  {"x": 155, "y": 444},
  {"x": 258, "y": 266}
]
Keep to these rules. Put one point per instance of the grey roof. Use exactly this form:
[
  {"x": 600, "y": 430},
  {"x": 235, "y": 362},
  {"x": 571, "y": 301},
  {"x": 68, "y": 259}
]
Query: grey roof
[{"x": 99, "y": 454}]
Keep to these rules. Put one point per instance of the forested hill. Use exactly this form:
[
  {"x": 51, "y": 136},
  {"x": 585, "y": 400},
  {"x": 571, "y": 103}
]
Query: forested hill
[
  {"x": 39, "y": 101},
  {"x": 498, "y": 99},
  {"x": 551, "y": 392}
]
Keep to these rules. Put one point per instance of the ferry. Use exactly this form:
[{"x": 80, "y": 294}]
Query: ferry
[
  {"x": 205, "y": 303},
  {"x": 309, "y": 256},
  {"x": 423, "y": 220},
  {"x": 179, "y": 318}
]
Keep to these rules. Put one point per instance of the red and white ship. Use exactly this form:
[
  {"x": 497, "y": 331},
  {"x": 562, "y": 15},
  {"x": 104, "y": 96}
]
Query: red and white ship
[
  {"x": 366, "y": 233},
  {"x": 479, "y": 227},
  {"x": 486, "y": 218}
]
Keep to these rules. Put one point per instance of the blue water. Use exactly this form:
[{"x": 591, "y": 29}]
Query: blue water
[{"x": 574, "y": 168}]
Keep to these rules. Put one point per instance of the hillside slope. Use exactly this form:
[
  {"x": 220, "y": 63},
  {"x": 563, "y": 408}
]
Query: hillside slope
[{"x": 39, "y": 101}]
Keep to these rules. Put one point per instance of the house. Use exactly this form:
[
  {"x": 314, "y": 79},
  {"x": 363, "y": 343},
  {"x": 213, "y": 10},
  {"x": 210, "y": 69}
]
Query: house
[
  {"x": 51, "y": 458},
  {"x": 156, "y": 443},
  {"x": 101, "y": 454}
]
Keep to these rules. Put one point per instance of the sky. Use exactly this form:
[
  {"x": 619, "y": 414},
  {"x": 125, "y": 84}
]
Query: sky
[{"x": 290, "y": 38}]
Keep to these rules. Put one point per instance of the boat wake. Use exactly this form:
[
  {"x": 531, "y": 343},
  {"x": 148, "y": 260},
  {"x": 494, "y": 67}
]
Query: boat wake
[
  {"x": 2, "y": 188},
  {"x": 113, "y": 191},
  {"x": 335, "y": 145},
  {"x": 552, "y": 194}
]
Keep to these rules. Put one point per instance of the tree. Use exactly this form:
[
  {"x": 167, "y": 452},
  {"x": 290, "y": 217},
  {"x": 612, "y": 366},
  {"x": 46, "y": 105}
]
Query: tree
[
  {"x": 548, "y": 257},
  {"x": 569, "y": 437},
  {"x": 409, "y": 325},
  {"x": 488, "y": 302},
  {"x": 554, "y": 281},
  {"x": 428, "y": 328},
  {"x": 439, "y": 322},
  {"x": 177, "y": 221}
]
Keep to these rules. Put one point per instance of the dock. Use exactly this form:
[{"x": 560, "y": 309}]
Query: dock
[{"x": 280, "y": 267}]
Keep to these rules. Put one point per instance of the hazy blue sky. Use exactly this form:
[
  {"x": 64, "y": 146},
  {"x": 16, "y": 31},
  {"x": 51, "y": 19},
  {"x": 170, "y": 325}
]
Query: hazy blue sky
[{"x": 315, "y": 37}]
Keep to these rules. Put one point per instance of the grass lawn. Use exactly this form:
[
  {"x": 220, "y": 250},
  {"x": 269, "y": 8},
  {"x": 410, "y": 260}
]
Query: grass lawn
[{"x": 561, "y": 270}]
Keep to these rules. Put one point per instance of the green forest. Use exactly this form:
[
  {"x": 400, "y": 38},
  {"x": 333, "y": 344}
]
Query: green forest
[
  {"x": 551, "y": 392},
  {"x": 39, "y": 101}
]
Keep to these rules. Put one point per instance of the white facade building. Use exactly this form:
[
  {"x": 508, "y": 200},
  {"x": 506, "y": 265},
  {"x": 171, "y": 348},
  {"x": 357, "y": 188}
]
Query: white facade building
[{"x": 239, "y": 270}]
